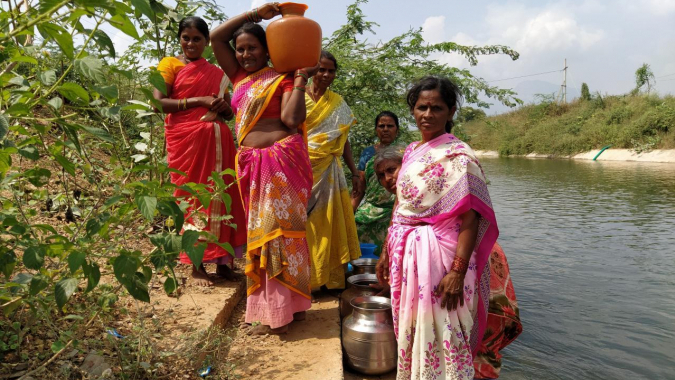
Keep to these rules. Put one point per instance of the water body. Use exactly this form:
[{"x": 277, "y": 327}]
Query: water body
[{"x": 591, "y": 246}]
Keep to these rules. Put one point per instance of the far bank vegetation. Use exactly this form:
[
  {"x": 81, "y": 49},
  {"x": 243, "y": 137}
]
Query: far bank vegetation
[{"x": 640, "y": 122}]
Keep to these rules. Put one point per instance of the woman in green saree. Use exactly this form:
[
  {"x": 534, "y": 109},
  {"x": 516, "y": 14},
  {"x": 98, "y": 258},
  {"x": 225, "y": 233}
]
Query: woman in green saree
[{"x": 374, "y": 206}]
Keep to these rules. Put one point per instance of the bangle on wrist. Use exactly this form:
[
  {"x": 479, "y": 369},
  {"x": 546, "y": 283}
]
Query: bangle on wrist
[
  {"x": 459, "y": 265},
  {"x": 253, "y": 16},
  {"x": 299, "y": 88}
]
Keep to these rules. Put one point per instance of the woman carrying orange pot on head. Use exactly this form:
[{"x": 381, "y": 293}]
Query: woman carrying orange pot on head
[
  {"x": 273, "y": 170},
  {"x": 198, "y": 143}
]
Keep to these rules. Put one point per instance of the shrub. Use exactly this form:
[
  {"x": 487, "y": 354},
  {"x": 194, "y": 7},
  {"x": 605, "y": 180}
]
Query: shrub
[{"x": 585, "y": 93}]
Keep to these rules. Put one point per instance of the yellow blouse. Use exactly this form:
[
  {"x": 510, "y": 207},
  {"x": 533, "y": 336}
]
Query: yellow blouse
[{"x": 169, "y": 68}]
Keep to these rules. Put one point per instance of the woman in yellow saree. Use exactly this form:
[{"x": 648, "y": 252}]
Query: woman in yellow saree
[{"x": 331, "y": 229}]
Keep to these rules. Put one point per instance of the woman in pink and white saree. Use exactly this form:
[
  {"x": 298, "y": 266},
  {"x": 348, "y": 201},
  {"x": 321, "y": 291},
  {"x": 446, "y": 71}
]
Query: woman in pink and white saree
[{"x": 443, "y": 229}]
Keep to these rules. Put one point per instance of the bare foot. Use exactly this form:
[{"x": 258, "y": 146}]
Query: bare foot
[
  {"x": 244, "y": 325},
  {"x": 315, "y": 296},
  {"x": 265, "y": 330},
  {"x": 200, "y": 277},
  {"x": 300, "y": 316},
  {"x": 331, "y": 292},
  {"x": 223, "y": 271}
]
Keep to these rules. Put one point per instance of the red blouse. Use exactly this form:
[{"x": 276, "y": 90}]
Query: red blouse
[{"x": 273, "y": 110}]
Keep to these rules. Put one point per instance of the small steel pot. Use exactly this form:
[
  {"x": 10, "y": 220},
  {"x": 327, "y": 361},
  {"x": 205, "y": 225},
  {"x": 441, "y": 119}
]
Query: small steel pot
[{"x": 368, "y": 336}]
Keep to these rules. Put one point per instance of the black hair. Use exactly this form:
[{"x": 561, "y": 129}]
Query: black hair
[
  {"x": 449, "y": 91},
  {"x": 253, "y": 29},
  {"x": 193, "y": 22},
  {"x": 387, "y": 113},
  {"x": 326, "y": 54}
]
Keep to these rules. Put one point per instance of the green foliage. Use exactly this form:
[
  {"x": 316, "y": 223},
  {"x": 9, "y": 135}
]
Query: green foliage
[
  {"x": 585, "y": 92},
  {"x": 637, "y": 123},
  {"x": 644, "y": 77},
  {"x": 467, "y": 114},
  {"x": 82, "y": 157},
  {"x": 81, "y": 148},
  {"x": 373, "y": 77}
]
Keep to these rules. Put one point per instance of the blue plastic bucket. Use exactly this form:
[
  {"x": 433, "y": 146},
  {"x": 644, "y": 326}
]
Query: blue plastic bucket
[{"x": 368, "y": 251}]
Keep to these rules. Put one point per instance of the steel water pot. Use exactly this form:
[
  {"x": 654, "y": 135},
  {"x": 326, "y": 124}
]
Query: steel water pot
[
  {"x": 368, "y": 336},
  {"x": 363, "y": 266},
  {"x": 358, "y": 285}
]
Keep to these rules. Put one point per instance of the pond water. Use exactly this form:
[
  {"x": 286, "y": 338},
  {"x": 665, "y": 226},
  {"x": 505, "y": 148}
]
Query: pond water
[{"x": 591, "y": 247}]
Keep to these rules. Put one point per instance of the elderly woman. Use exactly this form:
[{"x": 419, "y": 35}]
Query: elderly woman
[
  {"x": 443, "y": 230},
  {"x": 375, "y": 204},
  {"x": 331, "y": 230},
  {"x": 198, "y": 144},
  {"x": 273, "y": 169}
]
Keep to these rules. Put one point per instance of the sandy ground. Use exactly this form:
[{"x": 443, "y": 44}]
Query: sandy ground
[
  {"x": 657, "y": 155},
  {"x": 310, "y": 350}
]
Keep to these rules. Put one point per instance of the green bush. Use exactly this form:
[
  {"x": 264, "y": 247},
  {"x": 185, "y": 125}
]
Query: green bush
[
  {"x": 641, "y": 123},
  {"x": 619, "y": 115}
]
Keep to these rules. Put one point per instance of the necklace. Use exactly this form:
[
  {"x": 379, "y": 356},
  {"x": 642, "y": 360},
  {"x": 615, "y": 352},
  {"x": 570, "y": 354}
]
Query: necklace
[{"x": 311, "y": 94}]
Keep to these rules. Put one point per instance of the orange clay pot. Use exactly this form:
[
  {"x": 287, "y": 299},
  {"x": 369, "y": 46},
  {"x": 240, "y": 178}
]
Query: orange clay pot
[{"x": 293, "y": 41}]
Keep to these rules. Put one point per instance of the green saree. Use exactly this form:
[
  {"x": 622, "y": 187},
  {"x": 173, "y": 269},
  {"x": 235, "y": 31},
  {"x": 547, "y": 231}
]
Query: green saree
[{"x": 374, "y": 213}]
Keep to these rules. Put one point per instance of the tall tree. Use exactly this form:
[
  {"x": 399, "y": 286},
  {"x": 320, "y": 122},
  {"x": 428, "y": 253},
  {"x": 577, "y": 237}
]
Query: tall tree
[
  {"x": 644, "y": 77},
  {"x": 585, "y": 92}
]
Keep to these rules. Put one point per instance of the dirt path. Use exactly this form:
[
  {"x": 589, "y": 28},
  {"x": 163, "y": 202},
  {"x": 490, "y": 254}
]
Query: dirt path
[{"x": 310, "y": 350}]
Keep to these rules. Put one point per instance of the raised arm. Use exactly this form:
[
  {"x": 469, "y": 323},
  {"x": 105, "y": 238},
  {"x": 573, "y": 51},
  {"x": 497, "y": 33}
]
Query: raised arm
[
  {"x": 293, "y": 110},
  {"x": 222, "y": 35}
]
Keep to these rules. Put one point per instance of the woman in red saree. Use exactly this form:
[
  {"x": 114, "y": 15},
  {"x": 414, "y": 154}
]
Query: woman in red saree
[
  {"x": 198, "y": 144},
  {"x": 273, "y": 169}
]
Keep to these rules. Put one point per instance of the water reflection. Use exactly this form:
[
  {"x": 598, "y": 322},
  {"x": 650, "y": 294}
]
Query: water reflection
[{"x": 591, "y": 246}]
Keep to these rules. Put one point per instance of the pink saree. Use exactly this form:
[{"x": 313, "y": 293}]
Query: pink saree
[
  {"x": 275, "y": 184},
  {"x": 438, "y": 181}
]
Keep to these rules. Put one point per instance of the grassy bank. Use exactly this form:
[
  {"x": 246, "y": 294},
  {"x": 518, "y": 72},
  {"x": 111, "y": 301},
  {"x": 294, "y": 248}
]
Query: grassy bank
[{"x": 637, "y": 122}]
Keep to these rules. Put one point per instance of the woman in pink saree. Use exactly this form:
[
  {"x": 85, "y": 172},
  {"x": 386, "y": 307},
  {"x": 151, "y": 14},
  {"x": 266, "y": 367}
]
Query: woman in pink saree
[
  {"x": 443, "y": 229},
  {"x": 273, "y": 170}
]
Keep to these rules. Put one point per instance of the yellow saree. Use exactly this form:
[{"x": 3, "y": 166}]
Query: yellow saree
[{"x": 331, "y": 229}]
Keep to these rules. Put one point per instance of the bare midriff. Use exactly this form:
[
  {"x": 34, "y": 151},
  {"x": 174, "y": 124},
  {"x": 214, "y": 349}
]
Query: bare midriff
[{"x": 266, "y": 132}]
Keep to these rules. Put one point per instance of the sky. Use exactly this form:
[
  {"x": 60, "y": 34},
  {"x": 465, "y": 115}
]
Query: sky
[{"x": 604, "y": 42}]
